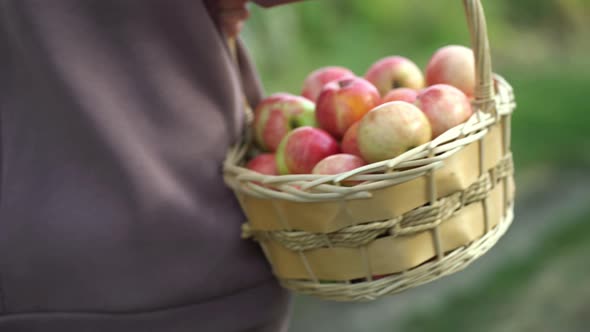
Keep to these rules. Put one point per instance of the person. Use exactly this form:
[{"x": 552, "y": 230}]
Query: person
[{"x": 115, "y": 119}]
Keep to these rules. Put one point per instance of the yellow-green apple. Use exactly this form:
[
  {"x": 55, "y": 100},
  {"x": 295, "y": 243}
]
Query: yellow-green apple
[
  {"x": 395, "y": 72},
  {"x": 349, "y": 142},
  {"x": 344, "y": 102},
  {"x": 400, "y": 94},
  {"x": 304, "y": 147},
  {"x": 445, "y": 107},
  {"x": 392, "y": 129},
  {"x": 277, "y": 115},
  {"x": 339, "y": 163},
  {"x": 453, "y": 65},
  {"x": 315, "y": 81},
  {"x": 264, "y": 163}
]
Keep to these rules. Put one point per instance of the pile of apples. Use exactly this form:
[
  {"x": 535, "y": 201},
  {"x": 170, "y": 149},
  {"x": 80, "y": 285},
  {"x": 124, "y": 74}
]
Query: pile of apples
[{"x": 342, "y": 121}]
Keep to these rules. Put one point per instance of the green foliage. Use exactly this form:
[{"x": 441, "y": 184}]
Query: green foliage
[{"x": 552, "y": 119}]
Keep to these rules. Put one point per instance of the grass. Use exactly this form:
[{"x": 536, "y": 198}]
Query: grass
[
  {"x": 551, "y": 123},
  {"x": 501, "y": 299}
]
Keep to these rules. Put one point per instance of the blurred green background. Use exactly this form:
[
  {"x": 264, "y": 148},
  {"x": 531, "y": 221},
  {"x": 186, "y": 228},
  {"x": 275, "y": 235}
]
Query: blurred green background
[{"x": 538, "y": 277}]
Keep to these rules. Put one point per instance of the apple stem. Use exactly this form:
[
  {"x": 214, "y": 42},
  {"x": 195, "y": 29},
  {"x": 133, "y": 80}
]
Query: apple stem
[{"x": 344, "y": 83}]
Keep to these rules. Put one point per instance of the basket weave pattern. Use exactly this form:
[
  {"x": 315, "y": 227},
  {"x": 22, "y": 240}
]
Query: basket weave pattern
[
  {"x": 406, "y": 221},
  {"x": 415, "y": 221}
]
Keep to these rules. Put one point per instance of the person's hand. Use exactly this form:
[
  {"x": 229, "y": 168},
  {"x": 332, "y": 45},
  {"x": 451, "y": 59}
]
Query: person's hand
[{"x": 229, "y": 15}]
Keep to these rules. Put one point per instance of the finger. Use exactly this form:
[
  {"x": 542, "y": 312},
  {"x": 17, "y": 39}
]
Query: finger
[
  {"x": 234, "y": 15},
  {"x": 234, "y": 30},
  {"x": 232, "y": 22}
]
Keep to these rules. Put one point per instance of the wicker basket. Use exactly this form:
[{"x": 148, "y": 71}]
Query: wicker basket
[{"x": 425, "y": 214}]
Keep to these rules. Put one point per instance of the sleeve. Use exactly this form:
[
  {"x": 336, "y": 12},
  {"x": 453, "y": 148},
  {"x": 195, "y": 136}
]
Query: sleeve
[{"x": 271, "y": 3}]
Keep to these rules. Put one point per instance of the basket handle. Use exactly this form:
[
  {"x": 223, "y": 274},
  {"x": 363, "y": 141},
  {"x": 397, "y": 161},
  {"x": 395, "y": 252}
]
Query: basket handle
[{"x": 484, "y": 86}]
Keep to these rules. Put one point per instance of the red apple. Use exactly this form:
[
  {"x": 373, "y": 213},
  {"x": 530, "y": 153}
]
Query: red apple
[
  {"x": 445, "y": 106},
  {"x": 265, "y": 163},
  {"x": 315, "y": 81},
  {"x": 339, "y": 163},
  {"x": 349, "y": 141},
  {"x": 453, "y": 65},
  {"x": 277, "y": 115},
  {"x": 304, "y": 147},
  {"x": 395, "y": 72},
  {"x": 400, "y": 94},
  {"x": 392, "y": 129},
  {"x": 344, "y": 102}
]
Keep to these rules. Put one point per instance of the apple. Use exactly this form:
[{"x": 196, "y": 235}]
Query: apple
[
  {"x": 339, "y": 163},
  {"x": 349, "y": 142},
  {"x": 264, "y": 163},
  {"x": 453, "y": 65},
  {"x": 315, "y": 81},
  {"x": 344, "y": 102},
  {"x": 395, "y": 72},
  {"x": 445, "y": 107},
  {"x": 304, "y": 147},
  {"x": 400, "y": 94},
  {"x": 277, "y": 115},
  {"x": 392, "y": 129}
]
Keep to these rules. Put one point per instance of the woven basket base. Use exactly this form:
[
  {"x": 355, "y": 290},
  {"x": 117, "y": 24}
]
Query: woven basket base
[{"x": 452, "y": 262}]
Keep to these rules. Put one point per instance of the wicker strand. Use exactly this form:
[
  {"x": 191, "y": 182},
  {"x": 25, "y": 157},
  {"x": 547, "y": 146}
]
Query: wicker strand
[
  {"x": 418, "y": 220},
  {"x": 364, "y": 291}
]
